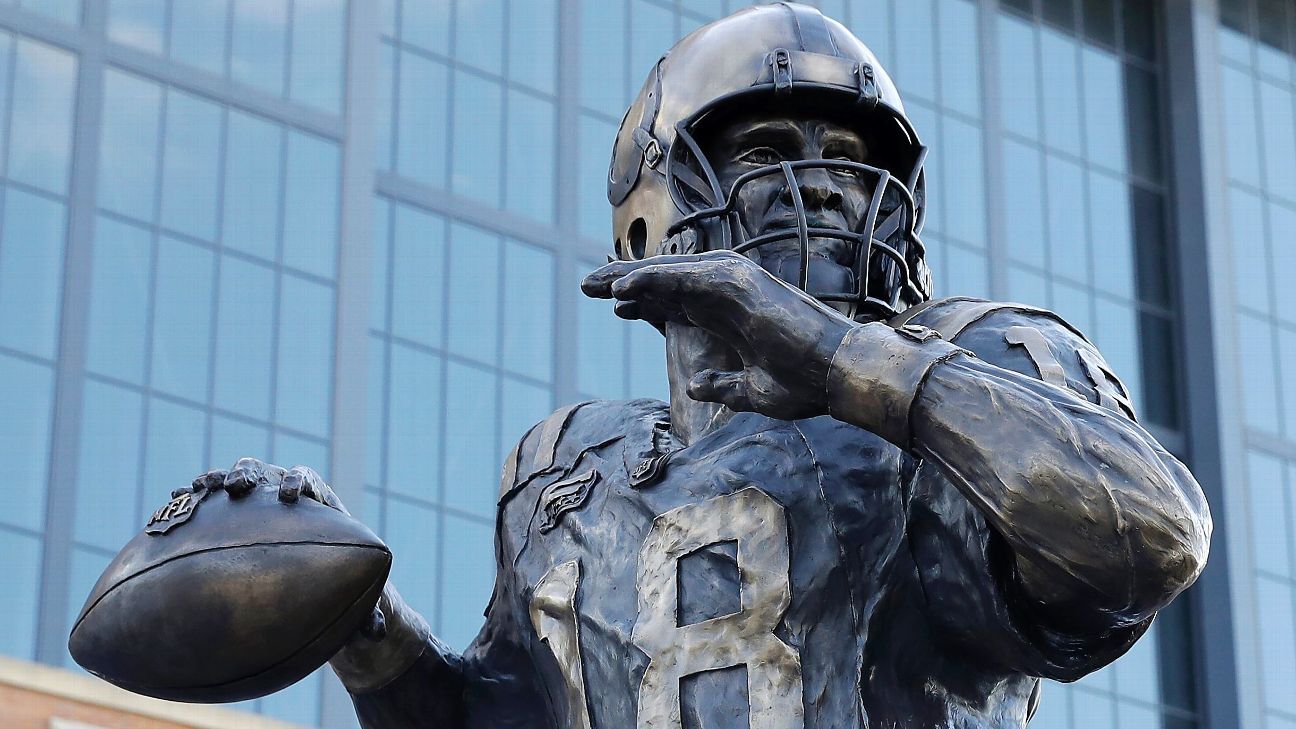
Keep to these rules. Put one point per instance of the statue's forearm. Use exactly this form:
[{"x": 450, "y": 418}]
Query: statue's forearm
[
  {"x": 1096, "y": 512},
  {"x": 406, "y": 678}
]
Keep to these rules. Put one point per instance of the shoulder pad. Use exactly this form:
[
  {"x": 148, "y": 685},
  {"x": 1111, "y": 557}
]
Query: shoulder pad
[
  {"x": 953, "y": 315},
  {"x": 556, "y": 442},
  {"x": 1025, "y": 339}
]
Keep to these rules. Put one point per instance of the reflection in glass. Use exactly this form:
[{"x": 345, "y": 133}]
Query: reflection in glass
[
  {"x": 259, "y": 42},
  {"x": 318, "y": 39},
  {"x": 198, "y": 33},
  {"x": 138, "y": 23}
]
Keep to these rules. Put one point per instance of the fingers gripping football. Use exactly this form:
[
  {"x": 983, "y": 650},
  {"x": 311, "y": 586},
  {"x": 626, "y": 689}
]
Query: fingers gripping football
[{"x": 249, "y": 473}]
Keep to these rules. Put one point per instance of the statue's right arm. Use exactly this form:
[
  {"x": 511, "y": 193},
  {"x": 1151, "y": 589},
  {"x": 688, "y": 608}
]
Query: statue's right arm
[{"x": 402, "y": 676}]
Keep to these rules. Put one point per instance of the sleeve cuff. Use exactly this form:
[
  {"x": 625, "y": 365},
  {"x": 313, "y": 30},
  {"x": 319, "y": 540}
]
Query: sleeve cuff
[
  {"x": 877, "y": 373},
  {"x": 365, "y": 665}
]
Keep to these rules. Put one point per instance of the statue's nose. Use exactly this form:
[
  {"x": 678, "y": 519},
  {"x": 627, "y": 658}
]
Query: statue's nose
[{"x": 818, "y": 189}]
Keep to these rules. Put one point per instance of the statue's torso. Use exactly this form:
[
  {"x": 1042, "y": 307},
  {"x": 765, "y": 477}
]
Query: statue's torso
[{"x": 759, "y": 577}]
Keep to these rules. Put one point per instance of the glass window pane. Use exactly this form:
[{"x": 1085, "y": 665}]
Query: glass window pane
[
  {"x": 1027, "y": 286},
  {"x": 1282, "y": 249},
  {"x": 530, "y": 159},
  {"x": 27, "y": 391},
  {"x": 311, "y": 205},
  {"x": 189, "y": 165},
  {"x": 960, "y": 57},
  {"x": 1140, "y": 24},
  {"x": 474, "y": 293},
  {"x": 533, "y": 41},
  {"x": 1100, "y": 21},
  {"x": 425, "y": 24},
  {"x": 915, "y": 62},
  {"x": 596, "y": 139},
  {"x": 1062, "y": 111},
  {"x": 1287, "y": 375},
  {"x": 68, "y": 11},
  {"x": 479, "y": 35},
  {"x": 1117, "y": 336},
  {"x": 414, "y": 424},
  {"x": 423, "y": 126},
  {"x": 31, "y": 272},
  {"x": 418, "y": 273},
  {"x": 257, "y": 48},
  {"x": 603, "y": 86},
  {"x": 1240, "y": 134},
  {"x": 40, "y": 131},
  {"x": 528, "y": 336},
  {"x": 1074, "y": 304},
  {"x": 1279, "y": 128},
  {"x": 246, "y": 302},
  {"x": 291, "y": 450},
  {"x": 1018, "y": 76},
  {"x": 1259, "y": 388},
  {"x": 652, "y": 31},
  {"x": 319, "y": 35},
  {"x": 119, "y": 295},
  {"x": 478, "y": 127},
  {"x": 1143, "y": 111},
  {"x": 967, "y": 271},
  {"x": 376, "y": 413},
  {"x": 1067, "y": 224},
  {"x": 472, "y": 466},
  {"x": 1023, "y": 203},
  {"x": 303, "y": 397},
  {"x": 1269, "y": 529},
  {"x": 234, "y": 439},
  {"x": 647, "y": 374},
  {"x": 1278, "y": 649},
  {"x": 128, "y": 145},
  {"x": 964, "y": 182},
  {"x": 252, "y": 165},
  {"x": 108, "y": 480},
  {"x": 198, "y": 33},
  {"x": 1250, "y": 262},
  {"x": 1104, "y": 109},
  {"x": 1151, "y": 248},
  {"x": 600, "y": 362},
  {"x": 383, "y": 98},
  {"x": 523, "y": 405},
  {"x": 19, "y": 596},
  {"x": 138, "y": 23},
  {"x": 411, "y": 532},
  {"x": 468, "y": 580},
  {"x": 379, "y": 288},
  {"x": 1112, "y": 237},
  {"x": 1159, "y": 362},
  {"x": 173, "y": 455},
  {"x": 182, "y": 319}
]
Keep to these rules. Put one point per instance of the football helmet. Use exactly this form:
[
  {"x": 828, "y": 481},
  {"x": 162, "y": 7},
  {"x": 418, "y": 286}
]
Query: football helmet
[{"x": 664, "y": 191}]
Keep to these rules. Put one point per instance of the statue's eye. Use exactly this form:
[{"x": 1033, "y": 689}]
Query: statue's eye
[{"x": 760, "y": 156}]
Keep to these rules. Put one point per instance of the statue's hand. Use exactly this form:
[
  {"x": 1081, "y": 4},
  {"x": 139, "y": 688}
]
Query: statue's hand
[
  {"x": 293, "y": 484},
  {"x": 784, "y": 336}
]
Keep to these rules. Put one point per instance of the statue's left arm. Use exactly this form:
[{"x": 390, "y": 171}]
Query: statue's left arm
[
  {"x": 1035, "y": 431},
  {"x": 1097, "y": 525}
]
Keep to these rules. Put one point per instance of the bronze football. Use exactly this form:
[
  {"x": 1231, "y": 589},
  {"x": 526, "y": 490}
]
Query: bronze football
[{"x": 222, "y": 599}]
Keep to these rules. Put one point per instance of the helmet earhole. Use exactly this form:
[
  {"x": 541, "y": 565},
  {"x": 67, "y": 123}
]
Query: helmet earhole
[{"x": 637, "y": 239}]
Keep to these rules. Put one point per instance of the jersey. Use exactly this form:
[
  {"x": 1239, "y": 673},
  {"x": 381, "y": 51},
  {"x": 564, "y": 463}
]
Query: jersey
[{"x": 772, "y": 574}]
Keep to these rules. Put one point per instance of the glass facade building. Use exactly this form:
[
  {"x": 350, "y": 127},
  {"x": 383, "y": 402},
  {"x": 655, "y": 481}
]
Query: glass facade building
[{"x": 349, "y": 235}]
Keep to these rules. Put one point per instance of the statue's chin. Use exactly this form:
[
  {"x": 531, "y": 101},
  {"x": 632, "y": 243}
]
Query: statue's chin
[{"x": 825, "y": 276}]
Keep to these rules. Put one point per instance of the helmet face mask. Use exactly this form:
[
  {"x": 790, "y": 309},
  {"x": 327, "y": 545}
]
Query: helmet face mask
[
  {"x": 877, "y": 238},
  {"x": 668, "y": 197}
]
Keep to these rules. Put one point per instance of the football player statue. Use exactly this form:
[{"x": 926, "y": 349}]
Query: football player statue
[{"x": 861, "y": 507}]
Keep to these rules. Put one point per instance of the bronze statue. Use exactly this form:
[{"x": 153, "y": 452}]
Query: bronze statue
[{"x": 861, "y": 507}]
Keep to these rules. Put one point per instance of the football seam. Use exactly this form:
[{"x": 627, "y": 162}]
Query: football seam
[
  {"x": 86, "y": 612},
  {"x": 287, "y": 658}
]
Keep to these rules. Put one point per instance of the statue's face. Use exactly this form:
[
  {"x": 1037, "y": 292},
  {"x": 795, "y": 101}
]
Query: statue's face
[{"x": 832, "y": 198}]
